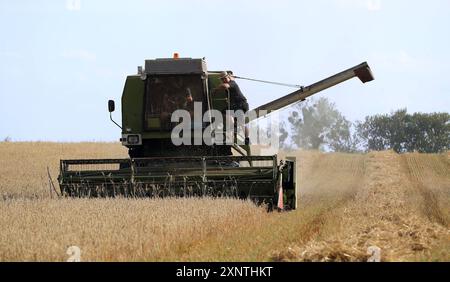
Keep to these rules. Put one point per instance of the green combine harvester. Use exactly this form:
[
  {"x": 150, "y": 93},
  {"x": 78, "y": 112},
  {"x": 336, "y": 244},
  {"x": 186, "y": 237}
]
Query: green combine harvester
[{"x": 158, "y": 168}]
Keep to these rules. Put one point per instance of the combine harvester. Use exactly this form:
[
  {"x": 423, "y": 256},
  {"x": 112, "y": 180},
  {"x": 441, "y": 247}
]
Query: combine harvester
[{"x": 158, "y": 168}]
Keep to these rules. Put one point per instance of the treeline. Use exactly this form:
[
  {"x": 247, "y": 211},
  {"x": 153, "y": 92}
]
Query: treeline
[
  {"x": 403, "y": 132},
  {"x": 317, "y": 124}
]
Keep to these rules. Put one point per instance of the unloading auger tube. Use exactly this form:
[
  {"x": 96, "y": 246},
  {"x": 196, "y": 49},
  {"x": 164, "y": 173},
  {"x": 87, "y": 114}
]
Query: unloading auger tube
[
  {"x": 158, "y": 168},
  {"x": 362, "y": 71}
]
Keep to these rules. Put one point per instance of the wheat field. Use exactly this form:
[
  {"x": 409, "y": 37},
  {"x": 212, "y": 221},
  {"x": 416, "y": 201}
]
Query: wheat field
[{"x": 347, "y": 203}]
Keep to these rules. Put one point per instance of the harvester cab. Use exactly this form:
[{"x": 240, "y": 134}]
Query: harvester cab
[
  {"x": 167, "y": 108},
  {"x": 164, "y": 87}
]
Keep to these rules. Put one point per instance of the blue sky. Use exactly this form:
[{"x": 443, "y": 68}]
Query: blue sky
[{"x": 60, "y": 61}]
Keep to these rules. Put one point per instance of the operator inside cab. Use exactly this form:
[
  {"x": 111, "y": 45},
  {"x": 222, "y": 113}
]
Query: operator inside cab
[
  {"x": 237, "y": 99},
  {"x": 188, "y": 103}
]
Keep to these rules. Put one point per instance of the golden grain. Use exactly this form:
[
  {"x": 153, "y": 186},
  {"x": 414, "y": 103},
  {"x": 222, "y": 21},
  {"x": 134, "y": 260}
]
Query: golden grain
[{"x": 348, "y": 202}]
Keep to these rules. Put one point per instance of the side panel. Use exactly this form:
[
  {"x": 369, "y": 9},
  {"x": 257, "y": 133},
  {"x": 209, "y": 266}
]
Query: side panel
[
  {"x": 291, "y": 183},
  {"x": 132, "y": 105}
]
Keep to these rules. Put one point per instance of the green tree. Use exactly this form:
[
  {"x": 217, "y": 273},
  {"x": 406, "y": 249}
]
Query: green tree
[
  {"x": 318, "y": 123},
  {"x": 403, "y": 132},
  {"x": 266, "y": 133}
]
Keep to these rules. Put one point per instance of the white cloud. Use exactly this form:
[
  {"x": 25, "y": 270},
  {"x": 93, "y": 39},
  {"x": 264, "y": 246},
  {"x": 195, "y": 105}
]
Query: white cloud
[
  {"x": 73, "y": 5},
  {"x": 80, "y": 54}
]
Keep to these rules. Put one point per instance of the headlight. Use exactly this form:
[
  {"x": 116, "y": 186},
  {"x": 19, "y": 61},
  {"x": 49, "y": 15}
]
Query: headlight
[{"x": 133, "y": 139}]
